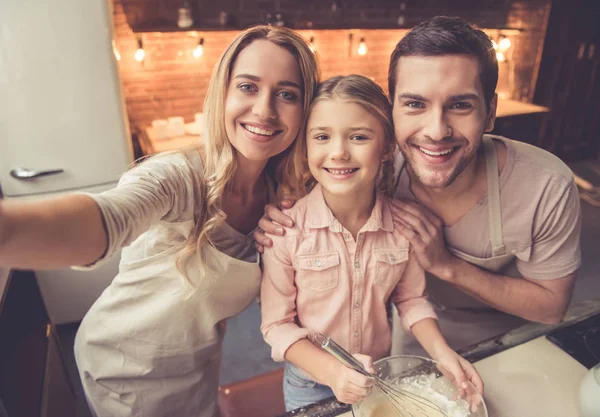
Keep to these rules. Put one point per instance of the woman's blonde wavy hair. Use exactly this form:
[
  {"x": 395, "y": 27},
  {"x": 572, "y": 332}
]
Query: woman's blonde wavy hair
[
  {"x": 219, "y": 160},
  {"x": 366, "y": 93}
]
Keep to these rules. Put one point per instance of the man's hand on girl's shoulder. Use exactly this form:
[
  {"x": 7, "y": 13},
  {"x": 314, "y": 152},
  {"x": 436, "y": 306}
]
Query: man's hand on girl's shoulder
[{"x": 424, "y": 231}]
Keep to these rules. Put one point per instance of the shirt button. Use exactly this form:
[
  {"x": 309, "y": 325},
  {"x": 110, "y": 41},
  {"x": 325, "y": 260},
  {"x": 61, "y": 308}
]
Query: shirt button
[
  {"x": 318, "y": 263},
  {"x": 356, "y": 264},
  {"x": 355, "y": 334},
  {"x": 514, "y": 251},
  {"x": 392, "y": 258},
  {"x": 346, "y": 236},
  {"x": 356, "y": 304}
]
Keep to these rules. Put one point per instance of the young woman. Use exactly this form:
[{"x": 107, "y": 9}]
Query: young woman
[
  {"x": 150, "y": 345},
  {"x": 335, "y": 270}
]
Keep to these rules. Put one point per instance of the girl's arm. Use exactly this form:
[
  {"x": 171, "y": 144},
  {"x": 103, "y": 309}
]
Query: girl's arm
[
  {"x": 279, "y": 324},
  {"x": 52, "y": 233},
  {"x": 348, "y": 385},
  {"x": 418, "y": 317},
  {"x": 455, "y": 367}
]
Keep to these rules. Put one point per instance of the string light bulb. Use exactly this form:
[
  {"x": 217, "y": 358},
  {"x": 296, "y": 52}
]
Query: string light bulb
[
  {"x": 504, "y": 44},
  {"x": 312, "y": 45},
  {"x": 501, "y": 47},
  {"x": 199, "y": 50},
  {"x": 362, "y": 47},
  {"x": 140, "y": 54}
]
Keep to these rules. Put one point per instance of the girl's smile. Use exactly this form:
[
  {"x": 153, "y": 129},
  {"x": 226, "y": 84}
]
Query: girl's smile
[{"x": 341, "y": 173}]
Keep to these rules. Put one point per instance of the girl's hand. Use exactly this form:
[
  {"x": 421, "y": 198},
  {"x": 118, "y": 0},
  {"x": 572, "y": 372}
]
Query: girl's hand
[
  {"x": 350, "y": 386},
  {"x": 461, "y": 371},
  {"x": 271, "y": 223}
]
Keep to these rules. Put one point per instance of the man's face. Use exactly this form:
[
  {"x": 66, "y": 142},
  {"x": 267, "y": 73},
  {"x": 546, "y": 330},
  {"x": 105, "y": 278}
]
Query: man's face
[{"x": 440, "y": 115}]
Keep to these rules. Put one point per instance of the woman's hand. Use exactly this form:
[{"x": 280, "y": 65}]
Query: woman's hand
[
  {"x": 350, "y": 386},
  {"x": 272, "y": 222}
]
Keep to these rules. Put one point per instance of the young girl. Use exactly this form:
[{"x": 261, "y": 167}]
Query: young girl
[
  {"x": 336, "y": 269},
  {"x": 150, "y": 345}
]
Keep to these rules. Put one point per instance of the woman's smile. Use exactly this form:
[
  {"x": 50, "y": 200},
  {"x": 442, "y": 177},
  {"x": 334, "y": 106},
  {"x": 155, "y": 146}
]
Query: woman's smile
[{"x": 260, "y": 132}]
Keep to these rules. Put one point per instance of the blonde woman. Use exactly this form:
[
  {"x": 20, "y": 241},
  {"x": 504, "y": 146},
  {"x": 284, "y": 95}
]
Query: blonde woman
[{"x": 150, "y": 345}]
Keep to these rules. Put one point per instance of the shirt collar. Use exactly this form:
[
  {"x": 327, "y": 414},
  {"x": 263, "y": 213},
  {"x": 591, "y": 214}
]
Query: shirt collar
[{"x": 319, "y": 215}]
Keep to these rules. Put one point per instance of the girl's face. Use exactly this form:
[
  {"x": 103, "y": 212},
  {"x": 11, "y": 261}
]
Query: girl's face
[
  {"x": 346, "y": 144},
  {"x": 263, "y": 107}
]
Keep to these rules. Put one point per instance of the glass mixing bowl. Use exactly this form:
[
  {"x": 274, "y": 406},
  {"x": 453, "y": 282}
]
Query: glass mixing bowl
[{"x": 422, "y": 377}]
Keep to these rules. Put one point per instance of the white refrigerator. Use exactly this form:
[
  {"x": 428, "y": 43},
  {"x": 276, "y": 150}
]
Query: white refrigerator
[{"x": 63, "y": 124}]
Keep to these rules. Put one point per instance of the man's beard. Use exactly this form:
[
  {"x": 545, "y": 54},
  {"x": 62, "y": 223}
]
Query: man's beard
[{"x": 424, "y": 175}]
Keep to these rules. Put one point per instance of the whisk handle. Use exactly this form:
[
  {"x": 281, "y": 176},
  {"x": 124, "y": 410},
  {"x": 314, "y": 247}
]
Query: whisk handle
[{"x": 340, "y": 354}]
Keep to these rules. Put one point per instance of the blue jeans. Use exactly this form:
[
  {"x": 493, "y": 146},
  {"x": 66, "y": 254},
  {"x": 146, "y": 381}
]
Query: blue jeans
[{"x": 299, "y": 390}]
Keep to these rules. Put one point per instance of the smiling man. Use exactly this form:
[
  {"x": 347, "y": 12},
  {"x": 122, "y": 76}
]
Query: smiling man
[{"x": 495, "y": 222}]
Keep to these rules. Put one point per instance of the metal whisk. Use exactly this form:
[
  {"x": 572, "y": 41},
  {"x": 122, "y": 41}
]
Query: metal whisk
[{"x": 406, "y": 403}]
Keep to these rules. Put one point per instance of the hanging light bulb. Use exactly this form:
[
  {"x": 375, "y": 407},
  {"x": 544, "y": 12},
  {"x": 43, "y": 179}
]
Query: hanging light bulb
[
  {"x": 362, "y": 47},
  {"x": 116, "y": 51},
  {"x": 199, "y": 50},
  {"x": 504, "y": 44},
  {"x": 312, "y": 45},
  {"x": 494, "y": 45},
  {"x": 500, "y": 56},
  {"x": 140, "y": 54}
]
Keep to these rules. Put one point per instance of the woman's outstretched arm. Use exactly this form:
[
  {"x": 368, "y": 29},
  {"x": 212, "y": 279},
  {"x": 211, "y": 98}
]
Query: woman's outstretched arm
[{"x": 51, "y": 233}]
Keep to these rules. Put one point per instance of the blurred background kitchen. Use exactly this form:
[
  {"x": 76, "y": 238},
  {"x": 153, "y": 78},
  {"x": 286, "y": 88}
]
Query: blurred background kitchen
[{"x": 142, "y": 68}]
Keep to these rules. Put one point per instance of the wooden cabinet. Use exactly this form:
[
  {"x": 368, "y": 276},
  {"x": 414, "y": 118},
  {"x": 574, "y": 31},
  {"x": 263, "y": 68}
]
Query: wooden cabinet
[
  {"x": 162, "y": 15},
  {"x": 58, "y": 398},
  {"x": 33, "y": 379},
  {"x": 569, "y": 80},
  {"x": 523, "y": 127}
]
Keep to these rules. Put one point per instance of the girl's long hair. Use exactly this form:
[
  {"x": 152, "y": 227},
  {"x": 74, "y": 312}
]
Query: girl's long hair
[{"x": 220, "y": 163}]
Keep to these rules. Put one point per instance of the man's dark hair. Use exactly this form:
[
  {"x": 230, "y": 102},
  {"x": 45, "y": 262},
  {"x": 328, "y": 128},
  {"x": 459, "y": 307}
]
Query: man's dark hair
[{"x": 443, "y": 35}]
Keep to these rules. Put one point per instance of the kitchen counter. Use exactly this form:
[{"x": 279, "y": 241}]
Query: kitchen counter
[
  {"x": 534, "y": 379},
  {"x": 170, "y": 144},
  {"x": 154, "y": 145},
  {"x": 507, "y": 108},
  {"x": 521, "y": 369}
]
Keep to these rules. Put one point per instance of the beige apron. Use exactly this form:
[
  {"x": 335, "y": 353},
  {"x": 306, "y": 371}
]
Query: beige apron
[
  {"x": 147, "y": 348},
  {"x": 463, "y": 319}
]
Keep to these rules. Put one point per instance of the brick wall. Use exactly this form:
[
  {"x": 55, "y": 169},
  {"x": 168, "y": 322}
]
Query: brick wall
[
  {"x": 161, "y": 15},
  {"x": 532, "y": 17},
  {"x": 171, "y": 82}
]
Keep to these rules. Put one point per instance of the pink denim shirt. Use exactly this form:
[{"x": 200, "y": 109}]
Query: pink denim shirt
[{"x": 317, "y": 278}]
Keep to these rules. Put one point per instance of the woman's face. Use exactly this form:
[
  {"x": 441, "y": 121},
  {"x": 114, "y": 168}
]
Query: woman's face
[{"x": 264, "y": 103}]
